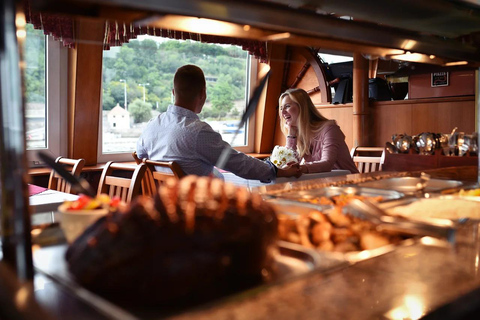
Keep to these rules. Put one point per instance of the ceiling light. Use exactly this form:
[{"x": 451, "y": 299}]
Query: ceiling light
[{"x": 456, "y": 63}]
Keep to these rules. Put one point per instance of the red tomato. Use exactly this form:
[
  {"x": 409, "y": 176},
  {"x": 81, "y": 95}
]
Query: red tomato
[{"x": 80, "y": 203}]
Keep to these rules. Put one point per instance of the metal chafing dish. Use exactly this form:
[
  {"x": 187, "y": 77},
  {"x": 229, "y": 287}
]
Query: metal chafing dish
[{"x": 314, "y": 194}]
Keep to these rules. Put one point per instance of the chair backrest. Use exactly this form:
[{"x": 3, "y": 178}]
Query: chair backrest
[
  {"x": 368, "y": 159},
  {"x": 154, "y": 178},
  {"x": 170, "y": 169},
  {"x": 114, "y": 183},
  {"x": 56, "y": 182}
]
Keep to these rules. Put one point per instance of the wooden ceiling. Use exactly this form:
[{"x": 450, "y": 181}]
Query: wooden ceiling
[{"x": 445, "y": 31}]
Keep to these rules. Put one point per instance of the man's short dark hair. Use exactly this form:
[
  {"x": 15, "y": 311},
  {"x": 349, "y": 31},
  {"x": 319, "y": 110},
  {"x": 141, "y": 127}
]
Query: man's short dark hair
[{"x": 188, "y": 82}]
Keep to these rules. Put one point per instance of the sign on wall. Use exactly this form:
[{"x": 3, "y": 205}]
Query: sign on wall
[{"x": 439, "y": 79}]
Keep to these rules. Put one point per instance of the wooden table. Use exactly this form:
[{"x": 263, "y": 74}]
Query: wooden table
[
  {"x": 421, "y": 279},
  {"x": 49, "y": 200}
]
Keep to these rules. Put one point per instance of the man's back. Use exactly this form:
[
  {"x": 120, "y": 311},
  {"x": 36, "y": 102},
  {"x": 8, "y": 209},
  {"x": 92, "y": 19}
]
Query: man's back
[
  {"x": 172, "y": 136},
  {"x": 179, "y": 135}
]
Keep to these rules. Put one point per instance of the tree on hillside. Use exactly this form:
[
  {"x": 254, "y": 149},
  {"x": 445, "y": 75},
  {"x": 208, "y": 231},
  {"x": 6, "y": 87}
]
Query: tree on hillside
[
  {"x": 153, "y": 62},
  {"x": 140, "y": 111},
  {"x": 222, "y": 97},
  {"x": 35, "y": 65}
]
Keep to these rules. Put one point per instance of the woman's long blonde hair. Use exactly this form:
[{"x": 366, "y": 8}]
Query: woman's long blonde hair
[{"x": 309, "y": 121}]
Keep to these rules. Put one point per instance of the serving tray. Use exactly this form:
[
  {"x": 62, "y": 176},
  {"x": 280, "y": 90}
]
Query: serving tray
[
  {"x": 410, "y": 200},
  {"x": 292, "y": 210},
  {"x": 314, "y": 195},
  {"x": 408, "y": 185}
]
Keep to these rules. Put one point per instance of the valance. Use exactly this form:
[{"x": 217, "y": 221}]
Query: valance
[
  {"x": 59, "y": 27},
  {"x": 117, "y": 33}
]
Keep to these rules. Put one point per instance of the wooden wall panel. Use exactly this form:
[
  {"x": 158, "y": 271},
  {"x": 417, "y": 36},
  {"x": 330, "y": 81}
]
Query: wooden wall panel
[
  {"x": 416, "y": 116},
  {"x": 296, "y": 64},
  {"x": 388, "y": 120},
  {"x": 344, "y": 117},
  {"x": 443, "y": 117},
  {"x": 461, "y": 83}
]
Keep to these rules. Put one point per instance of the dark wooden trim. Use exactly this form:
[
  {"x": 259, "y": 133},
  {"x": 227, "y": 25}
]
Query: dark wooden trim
[{"x": 312, "y": 57}]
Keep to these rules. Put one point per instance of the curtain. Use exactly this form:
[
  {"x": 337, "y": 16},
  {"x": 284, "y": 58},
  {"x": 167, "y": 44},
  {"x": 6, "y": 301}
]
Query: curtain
[
  {"x": 117, "y": 33},
  {"x": 58, "y": 26}
]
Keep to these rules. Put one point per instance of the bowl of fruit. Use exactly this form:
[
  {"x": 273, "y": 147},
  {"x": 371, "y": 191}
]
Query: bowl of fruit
[{"x": 76, "y": 216}]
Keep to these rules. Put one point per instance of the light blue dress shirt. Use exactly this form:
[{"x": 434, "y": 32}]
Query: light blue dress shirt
[{"x": 179, "y": 135}]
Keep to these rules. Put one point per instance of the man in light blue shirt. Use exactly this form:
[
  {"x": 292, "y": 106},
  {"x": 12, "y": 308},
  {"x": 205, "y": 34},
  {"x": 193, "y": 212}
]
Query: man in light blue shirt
[{"x": 179, "y": 135}]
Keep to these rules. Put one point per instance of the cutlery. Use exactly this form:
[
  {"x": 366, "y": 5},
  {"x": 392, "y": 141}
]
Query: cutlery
[
  {"x": 78, "y": 184},
  {"x": 370, "y": 211}
]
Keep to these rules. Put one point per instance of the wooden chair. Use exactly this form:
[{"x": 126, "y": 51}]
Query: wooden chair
[
  {"x": 56, "y": 182},
  {"x": 154, "y": 178},
  {"x": 118, "y": 185},
  {"x": 368, "y": 159}
]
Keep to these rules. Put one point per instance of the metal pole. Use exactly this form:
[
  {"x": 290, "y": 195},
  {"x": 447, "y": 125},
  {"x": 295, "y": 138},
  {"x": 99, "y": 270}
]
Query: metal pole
[
  {"x": 14, "y": 215},
  {"x": 144, "y": 85},
  {"x": 124, "y": 92}
]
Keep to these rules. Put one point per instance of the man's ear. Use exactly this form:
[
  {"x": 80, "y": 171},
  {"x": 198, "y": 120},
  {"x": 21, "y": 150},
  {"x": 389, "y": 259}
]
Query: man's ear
[{"x": 173, "y": 92}]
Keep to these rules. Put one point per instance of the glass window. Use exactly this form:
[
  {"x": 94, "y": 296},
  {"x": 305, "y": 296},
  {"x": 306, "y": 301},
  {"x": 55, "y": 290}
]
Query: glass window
[
  {"x": 137, "y": 86},
  {"x": 45, "y": 75},
  {"x": 35, "y": 101}
]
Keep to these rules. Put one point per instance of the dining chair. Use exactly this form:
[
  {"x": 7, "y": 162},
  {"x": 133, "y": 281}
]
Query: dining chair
[
  {"x": 56, "y": 182},
  {"x": 122, "y": 180},
  {"x": 154, "y": 178},
  {"x": 368, "y": 159}
]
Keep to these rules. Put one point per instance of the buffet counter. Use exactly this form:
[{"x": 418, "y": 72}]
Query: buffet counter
[{"x": 421, "y": 277}]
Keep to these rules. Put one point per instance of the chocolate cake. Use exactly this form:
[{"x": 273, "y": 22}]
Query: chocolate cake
[{"x": 198, "y": 238}]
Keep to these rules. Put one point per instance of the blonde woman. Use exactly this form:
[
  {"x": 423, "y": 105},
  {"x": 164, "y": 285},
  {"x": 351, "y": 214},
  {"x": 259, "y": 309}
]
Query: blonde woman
[{"x": 319, "y": 142}]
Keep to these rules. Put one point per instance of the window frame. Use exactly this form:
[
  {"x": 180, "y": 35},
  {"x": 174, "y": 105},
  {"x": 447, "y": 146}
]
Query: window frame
[
  {"x": 252, "y": 70},
  {"x": 251, "y": 67},
  {"x": 56, "y": 103}
]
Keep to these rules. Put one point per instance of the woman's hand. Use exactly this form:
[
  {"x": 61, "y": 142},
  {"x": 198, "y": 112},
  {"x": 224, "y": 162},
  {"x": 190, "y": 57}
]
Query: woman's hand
[{"x": 292, "y": 171}]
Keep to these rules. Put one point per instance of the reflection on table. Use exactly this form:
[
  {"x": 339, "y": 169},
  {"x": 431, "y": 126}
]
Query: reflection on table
[{"x": 232, "y": 178}]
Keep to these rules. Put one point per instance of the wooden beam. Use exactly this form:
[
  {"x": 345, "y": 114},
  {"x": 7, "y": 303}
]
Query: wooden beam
[
  {"x": 85, "y": 90},
  {"x": 360, "y": 101},
  {"x": 267, "y": 113}
]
